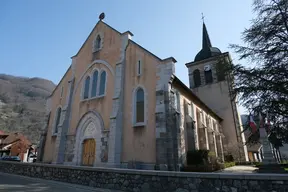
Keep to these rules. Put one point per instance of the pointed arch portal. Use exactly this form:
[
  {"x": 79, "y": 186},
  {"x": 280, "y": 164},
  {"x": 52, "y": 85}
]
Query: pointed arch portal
[{"x": 88, "y": 139}]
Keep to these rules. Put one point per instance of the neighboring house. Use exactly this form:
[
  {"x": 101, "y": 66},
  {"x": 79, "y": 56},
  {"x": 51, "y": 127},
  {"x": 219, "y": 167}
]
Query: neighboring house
[
  {"x": 120, "y": 105},
  {"x": 3, "y": 152},
  {"x": 15, "y": 144}
]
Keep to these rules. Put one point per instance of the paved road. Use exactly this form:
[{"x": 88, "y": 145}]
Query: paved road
[
  {"x": 240, "y": 169},
  {"x": 15, "y": 183}
]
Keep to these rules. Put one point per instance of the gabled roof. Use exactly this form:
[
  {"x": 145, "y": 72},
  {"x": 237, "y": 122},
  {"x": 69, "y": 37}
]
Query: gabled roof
[
  {"x": 59, "y": 82},
  {"x": 172, "y": 58},
  {"x": 13, "y": 137},
  {"x": 100, "y": 21},
  {"x": 176, "y": 80}
]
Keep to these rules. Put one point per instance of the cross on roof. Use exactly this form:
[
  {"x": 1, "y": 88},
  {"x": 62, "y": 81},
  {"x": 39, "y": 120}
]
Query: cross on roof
[{"x": 203, "y": 17}]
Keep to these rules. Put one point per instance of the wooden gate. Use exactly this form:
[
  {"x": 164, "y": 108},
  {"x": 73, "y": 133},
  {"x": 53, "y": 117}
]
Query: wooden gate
[{"x": 89, "y": 149}]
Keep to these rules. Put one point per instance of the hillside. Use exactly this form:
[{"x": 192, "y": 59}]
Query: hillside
[{"x": 22, "y": 104}]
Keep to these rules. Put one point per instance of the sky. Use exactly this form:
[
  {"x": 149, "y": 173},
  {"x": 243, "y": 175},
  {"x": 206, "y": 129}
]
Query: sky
[{"x": 38, "y": 38}]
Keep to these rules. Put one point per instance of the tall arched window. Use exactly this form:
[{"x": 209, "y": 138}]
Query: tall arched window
[
  {"x": 98, "y": 42},
  {"x": 196, "y": 78},
  {"x": 57, "y": 120},
  {"x": 139, "y": 111},
  {"x": 94, "y": 84},
  {"x": 86, "y": 88},
  {"x": 208, "y": 76},
  {"x": 102, "y": 83}
]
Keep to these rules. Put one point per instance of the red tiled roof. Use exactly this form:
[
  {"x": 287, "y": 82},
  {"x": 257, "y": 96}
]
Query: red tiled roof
[{"x": 13, "y": 137}]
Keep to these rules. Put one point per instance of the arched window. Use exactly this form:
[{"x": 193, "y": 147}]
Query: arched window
[
  {"x": 140, "y": 112},
  {"x": 98, "y": 42},
  {"x": 86, "y": 88},
  {"x": 94, "y": 84},
  {"x": 196, "y": 78},
  {"x": 102, "y": 83},
  {"x": 208, "y": 76},
  {"x": 57, "y": 120},
  {"x": 221, "y": 69}
]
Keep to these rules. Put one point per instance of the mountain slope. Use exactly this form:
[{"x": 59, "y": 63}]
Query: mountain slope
[{"x": 22, "y": 104}]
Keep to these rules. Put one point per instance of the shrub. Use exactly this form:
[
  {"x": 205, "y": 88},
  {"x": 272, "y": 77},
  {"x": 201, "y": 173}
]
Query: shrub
[
  {"x": 228, "y": 158},
  {"x": 197, "y": 157},
  {"x": 244, "y": 163},
  {"x": 203, "y": 168},
  {"x": 4, "y": 98},
  {"x": 257, "y": 164},
  {"x": 229, "y": 164}
]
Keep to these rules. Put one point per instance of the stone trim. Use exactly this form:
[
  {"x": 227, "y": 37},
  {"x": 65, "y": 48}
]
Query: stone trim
[
  {"x": 166, "y": 140},
  {"x": 84, "y": 74},
  {"x": 94, "y": 118},
  {"x": 101, "y": 35},
  {"x": 116, "y": 117},
  {"x": 73, "y": 66},
  {"x": 91, "y": 85},
  {"x": 140, "y": 165},
  {"x": 54, "y": 121},
  {"x": 251, "y": 176},
  {"x": 94, "y": 113}
]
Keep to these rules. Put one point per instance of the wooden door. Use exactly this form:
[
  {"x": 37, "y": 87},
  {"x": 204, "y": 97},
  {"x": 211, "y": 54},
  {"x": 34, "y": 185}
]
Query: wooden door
[
  {"x": 92, "y": 152},
  {"x": 88, "y": 155}
]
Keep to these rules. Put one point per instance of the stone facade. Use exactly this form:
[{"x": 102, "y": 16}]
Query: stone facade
[
  {"x": 166, "y": 129},
  {"x": 221, "y": 102},
  {"x": 200, "y": 128},
  {"x": 143, "y": 181}
]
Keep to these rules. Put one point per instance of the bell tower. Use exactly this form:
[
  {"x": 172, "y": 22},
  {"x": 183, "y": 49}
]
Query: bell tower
[{"x": 210, "y": 82}]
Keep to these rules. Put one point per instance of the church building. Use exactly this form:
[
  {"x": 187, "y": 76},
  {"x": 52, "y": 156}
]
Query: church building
[{"x": 119, "y": 105}]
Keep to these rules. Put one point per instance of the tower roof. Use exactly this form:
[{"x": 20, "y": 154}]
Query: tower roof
[{"x": 207, "y": 50}]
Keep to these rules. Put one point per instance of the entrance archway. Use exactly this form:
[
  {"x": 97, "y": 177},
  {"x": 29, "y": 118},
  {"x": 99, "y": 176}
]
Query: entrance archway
[
  {"x": 87, "y": 149},
  {"x": 88, "y": 154}
]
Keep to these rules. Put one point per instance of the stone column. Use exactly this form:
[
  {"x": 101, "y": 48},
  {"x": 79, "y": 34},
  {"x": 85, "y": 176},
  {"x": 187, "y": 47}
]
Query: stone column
[
  {"x": 63, "y": 126},
  {"x": 211, "y": 141},
  {"x": 202, "y": 138},
  {"x": 215, "y": 144},
  {"x": 116, "y": 118},
  {"x": 42, "y": 143},
  {"x": 165, "y": 144},
  {"x": 206, "y": 139}
]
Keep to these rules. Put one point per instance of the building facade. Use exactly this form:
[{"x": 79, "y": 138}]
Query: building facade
[
  {"x": 15, "y": 144},
  {"x": 210, "y": 81},
  {"x": 119, "y": 105}
]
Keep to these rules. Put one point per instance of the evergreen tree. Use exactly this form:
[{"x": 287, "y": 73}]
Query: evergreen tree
[{"x": 262, "y": 86}]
